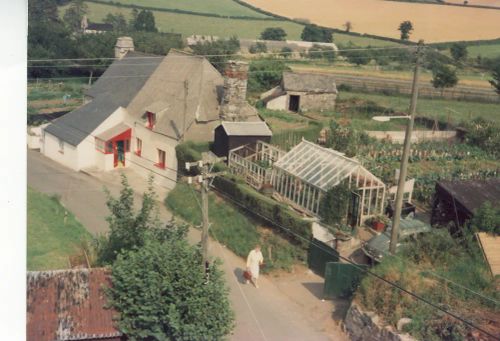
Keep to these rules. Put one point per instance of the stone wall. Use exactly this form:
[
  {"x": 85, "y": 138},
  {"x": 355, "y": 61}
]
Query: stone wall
[
  {"x": 235, "y": 91},
  {"x": 416, "y": 135},
  {"x": 364, "y": 326},
  {"x": 318, "y": 102}
]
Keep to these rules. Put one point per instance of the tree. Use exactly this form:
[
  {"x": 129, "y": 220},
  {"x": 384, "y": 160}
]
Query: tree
[
  {"x": 486, "y": 219},
  {"x": 74, "y": 14},
  {"x": 348, "y": 26},
  {"x": 273, "y": 33},
  {"x": 42, "y": 11},
  {"x": 162, "y": 293},
  {"x": 316, "y": 34},
  {"x": 322, "y": 52},
  {"x": 334, "y": 205},
  {"x": 133, "y": 18},
  {"x": 495, "y": 74},
  {"x": 258, "y": 47},
  {"x": 286, "y": 52},
  {"x": 444, "y": 76},
  {"x": 458, "y": 51},
  {"x": 118, "y": 21},
  {"x": 220, "y": 51},
  {"x": 405, "y": 27},
  {"x": 265, "y": 74},
  {"x": 358, "y": 57},
  {"x": 155, "y": 42},
  {"x": 127, "y": 229},
  {"x": 145, "y": 21}
]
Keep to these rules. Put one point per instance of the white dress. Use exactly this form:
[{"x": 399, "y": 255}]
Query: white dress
[{"x": 254, "y": 260}]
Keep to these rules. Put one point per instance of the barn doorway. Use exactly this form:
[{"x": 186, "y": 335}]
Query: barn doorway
[{"x": 294, "y": 103}]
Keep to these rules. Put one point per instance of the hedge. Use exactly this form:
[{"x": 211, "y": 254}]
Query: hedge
[
  {"x": 279, "y": 215},
  {"x": 189, "y": 152}
]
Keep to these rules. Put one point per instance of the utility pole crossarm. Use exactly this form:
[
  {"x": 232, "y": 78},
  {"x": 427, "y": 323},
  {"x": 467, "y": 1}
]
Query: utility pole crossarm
[{"x": 406, "y": 151}]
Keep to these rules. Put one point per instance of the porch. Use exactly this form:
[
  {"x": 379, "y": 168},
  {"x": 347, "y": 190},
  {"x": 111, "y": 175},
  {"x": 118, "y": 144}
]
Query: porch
[{"x": 113, "y": 147}]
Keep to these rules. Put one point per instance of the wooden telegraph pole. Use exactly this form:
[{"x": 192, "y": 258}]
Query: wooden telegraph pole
[
  {"x": 406, "y": 151},
  {"x": 205, "y": 166}
]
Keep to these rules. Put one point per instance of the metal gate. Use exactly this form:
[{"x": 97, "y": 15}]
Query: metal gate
[
  {"x": 342, "y": 279},
  {"x": 319, "y": 254}
]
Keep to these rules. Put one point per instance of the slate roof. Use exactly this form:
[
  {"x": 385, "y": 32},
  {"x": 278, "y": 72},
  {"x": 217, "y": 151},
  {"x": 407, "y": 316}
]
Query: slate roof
[
  {"x": 165, "y": 93},
  {"x": 115, "y": 88},
  {"x": 69, "y": 305},
  {"x": 471, "y": 194},
  {"x": 309, "y": 82},
  {"x": 246, "y": 129}
]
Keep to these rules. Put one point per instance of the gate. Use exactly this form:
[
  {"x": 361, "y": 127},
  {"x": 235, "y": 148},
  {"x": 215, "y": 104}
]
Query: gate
[
  {"x": 319, "y": 254},
  {"x": 342, "y": 279}
]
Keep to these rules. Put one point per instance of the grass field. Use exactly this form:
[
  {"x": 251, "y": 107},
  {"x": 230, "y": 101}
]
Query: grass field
[
  {"x": 493, "y": 3},
  {"x": 433, "y": 108},
  {"x": 221, "y": 7},
  {"x": 489, "y": 51},
  {"x": 50, "y": 240},
  {"x": 431, "y": 22}
]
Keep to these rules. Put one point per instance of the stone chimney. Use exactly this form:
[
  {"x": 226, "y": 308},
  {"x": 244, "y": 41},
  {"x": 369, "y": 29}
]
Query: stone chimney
[
  {"x": 235, "y": 91},
  {"x": 123, "y": 45}
]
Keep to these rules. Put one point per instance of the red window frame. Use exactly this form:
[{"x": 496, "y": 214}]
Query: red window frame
[
  {"x": 138, "y": 149},
  {"x": 151, "y": 120},
  {"x": 161, "y": 159}
]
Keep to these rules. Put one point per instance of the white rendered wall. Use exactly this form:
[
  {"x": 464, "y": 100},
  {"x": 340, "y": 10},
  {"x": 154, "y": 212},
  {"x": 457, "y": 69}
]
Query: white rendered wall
[
  {"x": 68, "y": 158},
  {"x": 278, "y": 103}
]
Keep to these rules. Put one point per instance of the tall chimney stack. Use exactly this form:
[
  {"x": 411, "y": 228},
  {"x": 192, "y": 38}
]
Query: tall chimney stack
[
  {"x": 235, "y": 91},
  {"x": 123, "y": 45}
]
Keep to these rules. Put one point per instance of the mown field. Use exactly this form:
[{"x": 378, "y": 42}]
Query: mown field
[
  {"x": 431, "y": 22},
  {"x": 220, "y": 7},
  {"x": 51, "y": 239},
  {"x": 187, "y": 24},
  {"x": 489, "y": 51}
]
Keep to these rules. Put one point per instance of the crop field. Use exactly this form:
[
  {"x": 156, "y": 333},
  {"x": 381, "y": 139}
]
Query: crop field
[
  {"x": 431, "y": 22},
  {"x": 220, "y": 7},
  {"x": 493, "y": 3}
]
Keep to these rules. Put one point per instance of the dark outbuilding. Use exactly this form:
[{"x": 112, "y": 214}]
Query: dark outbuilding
[{"x": 230, "y": 135}]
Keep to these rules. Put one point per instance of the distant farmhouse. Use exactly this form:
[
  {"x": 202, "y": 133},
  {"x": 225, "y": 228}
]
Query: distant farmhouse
[
  {"x": 302, "y": 92},
  {"x": 94, "y": 28},
  {"x": 142, "y": 107}
]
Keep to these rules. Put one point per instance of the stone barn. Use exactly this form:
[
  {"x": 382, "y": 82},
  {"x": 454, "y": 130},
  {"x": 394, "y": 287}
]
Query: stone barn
[{"x": 302, "y": 92}]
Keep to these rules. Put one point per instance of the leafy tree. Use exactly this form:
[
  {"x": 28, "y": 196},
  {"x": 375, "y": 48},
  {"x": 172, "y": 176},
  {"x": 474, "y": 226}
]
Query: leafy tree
[
  {"x": 42, "y": 11},
  {"x": 155, "y": 42},
  {"x": 334, "y": 205},
  {"x": 273, "y": 33},
  {"x": 74, "y": 14},
  {"x": 444, "y": 76},
  {"x": 345, "y": 139},
  {"x": 484, "y": 134},
  {"x": 162, "y": 293},
  {"x": 286, "y": 52},
  {"x": 222, "y": 49},
  {"x": 118, "y": 21},
  {"x": 358, "y": 57},
  {"x": 458, "y": 51},
  {"x": 405, "y": 28},
  {"x": 348, "y": 26},
  {"x": 127, "y": 229},
  {"x": 322, "y": 52},
  {"x": 145, "y": 21},
  {"x": 265, "y": 74},
  {"x": 316, "y": 34},
  {"x": 486, "y": 219},
  {"x": 258, "y": 47},
  {"x": 495, "y": 74},
  {"x": 133, "y": 18}
]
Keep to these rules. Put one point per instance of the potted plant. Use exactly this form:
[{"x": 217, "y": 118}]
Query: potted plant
[{"x": 379, "y": 222}]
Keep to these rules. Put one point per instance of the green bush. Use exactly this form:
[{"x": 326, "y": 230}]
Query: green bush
[
  {"x": 269, "y": 209},
  {"x": 189, "y": 152}
]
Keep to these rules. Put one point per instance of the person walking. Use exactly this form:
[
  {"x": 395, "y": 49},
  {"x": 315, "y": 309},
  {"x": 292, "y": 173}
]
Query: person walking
[{"x": 254, "y": 261}]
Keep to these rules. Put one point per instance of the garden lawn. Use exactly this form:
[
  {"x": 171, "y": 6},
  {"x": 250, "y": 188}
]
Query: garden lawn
[
  {"x": 220, "y": 7},
  {"x": 50, "y": 240}
]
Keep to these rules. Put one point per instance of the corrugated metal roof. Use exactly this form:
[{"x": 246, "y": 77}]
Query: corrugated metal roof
[
  {"x": 115, "y": 88},
  {"x": 247, "y": 129},
  {"x": 491, "y": 250},
  {"x": 309, "y": 82},
  {"x": 68, "y": 305},
  {"x": 321, "y": 167},
  {"x": 471, "y": 194}
]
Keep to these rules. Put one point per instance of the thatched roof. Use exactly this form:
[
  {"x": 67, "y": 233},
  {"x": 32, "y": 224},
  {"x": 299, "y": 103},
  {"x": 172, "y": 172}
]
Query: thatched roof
[
  {"x": 309, "y": 82},
  {"x": 183, "y": 90}
]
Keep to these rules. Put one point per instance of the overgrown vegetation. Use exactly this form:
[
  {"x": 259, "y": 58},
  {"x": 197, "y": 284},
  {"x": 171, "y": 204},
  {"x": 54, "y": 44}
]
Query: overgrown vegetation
[
  {"x": 53, "y": 233},
  {"x": 234, "y": 227},
  {"x": 420, "y": 267},
  {"x": 335, "y": 203},
  {"x": 265, "y": 74},
  {"x": 219, "y": 51}
]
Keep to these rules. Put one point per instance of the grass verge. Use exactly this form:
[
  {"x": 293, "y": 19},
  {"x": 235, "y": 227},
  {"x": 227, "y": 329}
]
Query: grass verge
[{"x": 52, "y": 236}]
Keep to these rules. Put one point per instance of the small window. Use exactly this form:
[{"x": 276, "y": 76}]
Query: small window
[
  {"x": 61, "y": 146},
  {"x": 109, "y": 147},
  {"x": 151, "y": 120},
  {"x": 138, "y": 149},
  {"x": 99, "y": 145},
  {"x": 161, "y": 159}
]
